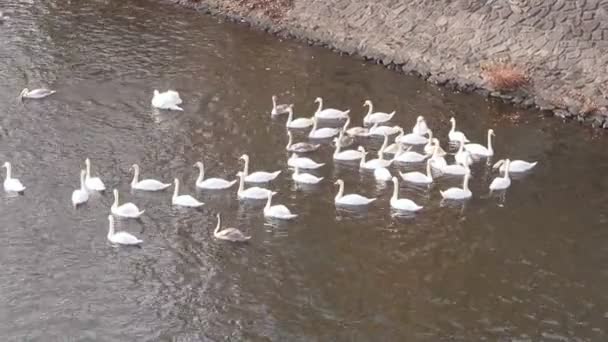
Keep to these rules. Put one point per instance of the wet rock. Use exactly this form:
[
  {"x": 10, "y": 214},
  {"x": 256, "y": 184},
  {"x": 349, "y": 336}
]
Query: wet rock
[{"x": 562, "y": 113}]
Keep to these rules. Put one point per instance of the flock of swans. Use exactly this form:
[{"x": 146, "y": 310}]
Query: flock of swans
[{"x": 421, "y": 138}]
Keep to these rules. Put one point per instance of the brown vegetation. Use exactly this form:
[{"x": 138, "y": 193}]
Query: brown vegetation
[
  {"x": 504, "y": 76},
  {"x": 274, "y": 9}
]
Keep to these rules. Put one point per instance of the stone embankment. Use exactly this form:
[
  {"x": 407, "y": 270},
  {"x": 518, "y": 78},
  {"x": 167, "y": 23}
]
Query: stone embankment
[{"x": 549, "y": 54}]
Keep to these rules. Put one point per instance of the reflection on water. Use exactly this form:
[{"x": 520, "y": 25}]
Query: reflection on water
[{"x": 527, "y": 266}]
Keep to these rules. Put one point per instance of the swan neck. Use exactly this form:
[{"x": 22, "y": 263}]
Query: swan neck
[
  {"x": 88, "y": 168},
  {"x": 115, "y": 204},
  {"x": 82, "y": 179},
  {"x": 428, "y": 171},
  {"x": 201, "y": 173},
  {"x": 135, "y": 176},
  {"x": 217, "y": 227},
  {"x": 395, "y": 189},
  {"x": 246, "y": 168},
  {"x": 176, "y": 190},
  {"x": 111, "y": 228},
  {"x": 465, "y": 183},
  {"x": 289, "y": 116},
  {"x": 267, "y": 207},
  {"x": 490, "y": 142},
  {"x": 320, "y": 107},
  {"x": 507, "y": 169},
  {"x": 369, "y": 109},
  {"x": 289, "y": 140},
  {"x": 241, "y": 183},
  {"x": 340, "y": 191},
  {"x": 453, "y": 129},
  {"x": 8, "y": 171},
  {"x": 337, "y": 151},
  {"x": 274, "y": 103},
  {"x": 362, "y": 162}
]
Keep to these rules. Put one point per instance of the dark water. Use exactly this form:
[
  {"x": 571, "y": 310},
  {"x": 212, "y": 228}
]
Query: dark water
[{"x": 532, "y": 268}]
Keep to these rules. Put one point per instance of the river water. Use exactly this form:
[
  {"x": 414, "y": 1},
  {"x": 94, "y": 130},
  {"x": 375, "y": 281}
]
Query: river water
[{"x": 528, "y": 267}]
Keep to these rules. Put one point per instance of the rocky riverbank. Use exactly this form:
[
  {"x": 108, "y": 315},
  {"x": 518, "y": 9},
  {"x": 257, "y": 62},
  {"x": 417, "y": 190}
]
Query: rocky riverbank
[{"x": 549, "y": 54}]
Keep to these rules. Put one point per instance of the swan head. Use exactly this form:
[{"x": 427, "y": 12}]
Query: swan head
[
  {"x": 115, "y": 193},
  {"x": 274, "y": 97},
  {"x": 361, "y": 149},
  {"x": 23, "y": 92},
  {"x": 83, "y": 173},
  {"x": 87, "y": 162},
  {"x": 420, "y": 119},
  {"x": 198, "y": 164},
  {"x": 498, "y": 164},
  {"x": 176, "y": 182},
  {"x": 452, "y": 120},
  {"x": 156, "y": 92},
  {"x": 6, "y": 165},
  {"x": 244, "y": 157},
  {"x": 491, "y": 132},
  {"x": 318, "y": 100},
  {"x": 339, "y": 182},
  {"x": 367, "y": 103},
  {"x": 290, "y": 109},
  {"x": 135, "y": 167}
]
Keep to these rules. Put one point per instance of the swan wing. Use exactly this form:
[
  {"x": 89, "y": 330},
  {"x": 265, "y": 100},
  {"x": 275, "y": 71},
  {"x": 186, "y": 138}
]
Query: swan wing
[
  {"x": 187, "y": 201},
  {"x": 261, "y": 176},
  {"x": 13, "y": 185},
  {"x": 150, "y": 185},
  {"x": 128, "y": 210},
  {"x": 405, "y": 204},
  {"x": 255, "y": 193},
  {"x": 416, "y": 177},
  {"x": 124, "y": 238},
  {"x": 348, "y": 155},
  {"x": 306, "y": 178},
  {"x": 94, "y": 183},
  {"x": 79, "y": 197},
  {"x": 331, "y": 113},
  {"x": 355, "y": 199},
  {"x": 300, "y": 123},
  {"x": 215, "y": 183},
  {"x": 232, "y": 234}
]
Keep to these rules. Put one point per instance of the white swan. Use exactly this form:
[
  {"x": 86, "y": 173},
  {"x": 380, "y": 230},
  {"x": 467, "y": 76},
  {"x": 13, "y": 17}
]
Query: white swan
[
  {"x": 480, "y": 150},
  {"x": 121, "y": 238},
  {"x": 329, "y": 113},
  {"x": 515, "y": 166},
  {"x": 374, "y": 163},
  {"x": 347, "y": 155},
  {"x": 463, "y": 157},
  {"x": 278, "y": 109},
  {"x": 437, "y": 161},
  {"x": 299, "y": 122},
  {"x": 92, "y": 183},
  {"x": 228, "y": 234},
  {"x": 350, "y": 199},
  {"x": 146, "y": 184},
  {"x": 455, "y": 135},
  {"x": 210, "y": 183},
  {"x": 408, "y": 156},
  {"x": 11, "y": 184},
  {"x": 376, "y": 129},
  {"x": 167, "y": 100},
  {"x": 421, "y": 127},
  {"x": 458, "y": 193},
  {"x": 322, "y": 133},
  {"x": 35, "y": 93},
  {"x": 378, "y": 117},
  {"x": 184, "y": 200},
  {"x": 278, "y": 211},
  {"x": 430, "y": 145},
  {"x": 253, "y": 192},
  {"x": 345, "y": 140},
  {"x": 419, "y": 177},
  {"x": 259, "y": 176},
  {"x": 356, "y": 130},
  {"x": 402, "y": 203},
  {"x": 80, "y": 196},
  {"x": 457, "y": 169},
  {"x": 304, "y": 178},
  {"x": 301, "y": 147},
  {"x": 382, "y": 174},
  {"x": 303, "y": 162},
  {"x": 410, "y": 138},
  {"x": 502, "y": 183},
  {"x": 127, "y": 210}
]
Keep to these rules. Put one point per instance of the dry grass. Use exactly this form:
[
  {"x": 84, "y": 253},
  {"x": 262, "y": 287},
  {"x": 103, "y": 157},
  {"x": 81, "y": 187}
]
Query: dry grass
[
  {"x": 274, "y": 9},
  {"x": 504, "y": 76}
]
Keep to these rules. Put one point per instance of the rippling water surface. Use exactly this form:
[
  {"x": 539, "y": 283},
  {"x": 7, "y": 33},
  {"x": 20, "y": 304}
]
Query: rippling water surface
[{"x": 529, "y": 266}]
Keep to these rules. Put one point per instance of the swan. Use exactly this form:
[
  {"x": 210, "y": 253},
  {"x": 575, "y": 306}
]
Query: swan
[
  {"x": 402, "y": 203},
  {"x": 92, "y": 183},
  {"x": 259, "y": 176},
  {"x": 350, "y": 199},
  {"x": 430, "y": 145},
  {"x": 146, "y": 184},
  {"x": 378, "y": 117},
  {"x": 455, "y": 135},
  {"x": 322, "y": 133},
  {"x": 304, "y": 178},
  {"x": 39, "y": 93},
  {"x": 253, "y": 192},
  {"x": 436, "y": 160},
  {"x": 458, "y": 193},
  {"x": 228, "y": 234},
  {"x": 374, "y": 163},
  {"x": 420, "y": 127},
  {"x": 502, "y": 183},
  {"x": 410, "y": 139},
  {"x": 329, "y": 113},
  {"x": 347, "y": 155},
  {"x": 279, "y": 109},
  {"x": 480, "y": 150},
  {"x": 383, "y": 130},
  {"x": 345, "y": 140},
  {"x": 382, "y": 174},
  {"x": 167, "y": 100},
  {"x": 127, "y": 210},
  {"x": 211, "y": 183},
  {"x": 11, "y": 184},
  {"x": 355, "y": 131},
  {"x": 515, "y": 165},
  {"x": 419, "y": 177},
  {"x": 278, "y": 211},
  {"x": 299, "y": 122},
  {"x": 463, "y": 157},
  {"x": 408, "y": 156},
  {"x": 121, "y": 238},
  {"x": 303, "y": 162},
  {"x": 457, "y": 169},
  {"x": 184, "y": 200},
  {"x": 301, "y": 147},
  {"x": 80, "y": 196}
]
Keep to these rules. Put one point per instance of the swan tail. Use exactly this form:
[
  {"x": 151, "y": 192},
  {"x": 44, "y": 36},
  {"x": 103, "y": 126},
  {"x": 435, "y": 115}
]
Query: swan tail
[
  {"x": 276, "y": 174},
  {"x": 141, "y": 213},
  {"x": 176, "y": 107}
]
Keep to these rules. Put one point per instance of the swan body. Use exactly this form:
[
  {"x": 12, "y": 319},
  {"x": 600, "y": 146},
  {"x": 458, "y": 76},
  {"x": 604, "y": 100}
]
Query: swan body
[
  {"x": 378, "y": 117},
  {"x": 350, "y": 199},
  {"x": 299, "y": 122},
  {"x": 348, "y": 155},
  {"x": 305, "y": 178},
  {"x": 458, "y": 193},
  {"x": 455, "y": 135},
  {"x": 146, "y": 184},
  {"x": 93, "y": 183},
  {"x": 39, "y": 93},
  {"x": 278, "y": 211},
  {"x": 259, "y": 176},
  {"x": 167, "y": 100},
  {"x": 301, "y": 147},
  {"x": 345, "y": 140},
  {"x": 382, "y": 174},
  {"x": 402, "y": 203},
  {"x": 480, "y": 150},
  {"x": 419, "y": 177},
  {"x": 80, "y": 196},
  {"x": 121, "y": 238},
  {"x": 430, "y": 145},
  {"x": 502, "y": 183},
  {"x": 127, "y": 210},
  {"x": 11, "y": 184},
  {"x": 228, "y": 234},
  {"x": 211, "y": 183},
  {"x": 322, "y": 133},
  {"x": 303, "y": 162},
  {"x": 374, "y": 163},
  {"x": 455, "y": 169},
  {"x": 436, "y": 160},
  {"x": 253, "y": 192},
  {"x": 383, "y": 130},
  {"x": 515, "y": 165},
  {"x": 420, "y": 127},
  {"x": 355, "y": 131},
  {"x": 463, "y": 157},
  {"x": 184, "y": 200},
  {"x": 411, "y": 139},
  {"x": 278, "y": 109},
  {"x": 329, "y": 113},
  {"x": 409, "y": 156}
]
